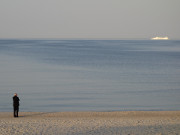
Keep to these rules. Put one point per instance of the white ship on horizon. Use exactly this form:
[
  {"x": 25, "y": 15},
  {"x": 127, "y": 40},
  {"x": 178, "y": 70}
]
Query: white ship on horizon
[{"x": 160, "y": 38}]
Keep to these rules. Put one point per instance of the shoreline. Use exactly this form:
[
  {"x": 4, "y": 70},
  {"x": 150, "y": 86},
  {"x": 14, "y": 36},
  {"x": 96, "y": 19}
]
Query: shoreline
[
  {"x": 88, "y": 123},
  {"x": 98, "y": 113}
]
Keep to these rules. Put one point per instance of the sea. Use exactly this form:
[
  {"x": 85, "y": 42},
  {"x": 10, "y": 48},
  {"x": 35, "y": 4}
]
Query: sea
[{"x": 90, "y": 75}]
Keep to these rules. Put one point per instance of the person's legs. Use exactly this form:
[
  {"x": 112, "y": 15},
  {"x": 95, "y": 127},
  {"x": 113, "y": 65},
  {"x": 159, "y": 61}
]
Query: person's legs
[
  {"x": 14, "y": 111},
  {"x": 17, "y": 111}
]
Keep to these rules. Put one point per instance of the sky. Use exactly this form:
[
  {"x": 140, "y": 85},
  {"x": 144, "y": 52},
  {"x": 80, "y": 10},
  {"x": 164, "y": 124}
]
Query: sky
[{"x": 89, "y": 19}]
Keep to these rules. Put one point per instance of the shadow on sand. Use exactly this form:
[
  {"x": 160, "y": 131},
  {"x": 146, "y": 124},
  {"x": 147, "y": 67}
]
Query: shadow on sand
[{"x": 33, "y": 114}]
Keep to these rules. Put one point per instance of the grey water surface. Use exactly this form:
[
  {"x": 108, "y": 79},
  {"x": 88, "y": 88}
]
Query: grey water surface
[{"x": 90, "y": 75}]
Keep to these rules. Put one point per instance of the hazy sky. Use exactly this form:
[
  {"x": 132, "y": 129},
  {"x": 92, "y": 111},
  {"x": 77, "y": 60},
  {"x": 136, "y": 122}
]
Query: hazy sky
[{"x": 89, "y": 18}]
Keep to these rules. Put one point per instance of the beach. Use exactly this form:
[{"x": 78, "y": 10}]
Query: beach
[
  {"x": 91, "y": 123},
  {"x": 90, "y": 87}
]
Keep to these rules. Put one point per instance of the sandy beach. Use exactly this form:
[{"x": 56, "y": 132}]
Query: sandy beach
[{"x": 91, "y": 123}]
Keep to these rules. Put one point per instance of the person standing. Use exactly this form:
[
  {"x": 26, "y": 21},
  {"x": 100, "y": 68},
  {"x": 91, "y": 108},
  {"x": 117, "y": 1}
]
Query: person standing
[{"x": 16, "y": 104}]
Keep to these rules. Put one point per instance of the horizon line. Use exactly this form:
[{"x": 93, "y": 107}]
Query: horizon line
[{"x": 81, "y": 39}]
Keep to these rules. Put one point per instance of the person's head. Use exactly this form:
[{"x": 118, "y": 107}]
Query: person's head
[{"x": 15, "y": 94}]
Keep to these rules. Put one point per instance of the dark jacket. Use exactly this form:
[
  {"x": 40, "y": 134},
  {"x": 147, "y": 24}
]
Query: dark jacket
[{"x": 15, "y": 101}]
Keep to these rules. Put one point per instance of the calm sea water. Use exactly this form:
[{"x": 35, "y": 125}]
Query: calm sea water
[{"x": 90, "y": 75}]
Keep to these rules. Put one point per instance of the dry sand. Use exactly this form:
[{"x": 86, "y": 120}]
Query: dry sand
[{"x": 91, "y": 123}]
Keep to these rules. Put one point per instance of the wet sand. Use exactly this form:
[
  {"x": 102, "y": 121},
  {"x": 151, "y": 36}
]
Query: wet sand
[{"x": 91, "y": 123}]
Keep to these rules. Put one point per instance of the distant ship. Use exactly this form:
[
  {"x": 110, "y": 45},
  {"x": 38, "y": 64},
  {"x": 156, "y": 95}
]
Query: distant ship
[{"x": 160, "y": 38}]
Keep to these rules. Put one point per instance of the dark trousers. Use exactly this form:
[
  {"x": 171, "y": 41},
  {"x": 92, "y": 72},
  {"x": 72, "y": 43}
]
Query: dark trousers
[{"x": 16, "y": 110}]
